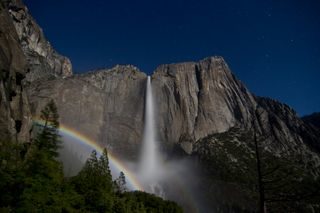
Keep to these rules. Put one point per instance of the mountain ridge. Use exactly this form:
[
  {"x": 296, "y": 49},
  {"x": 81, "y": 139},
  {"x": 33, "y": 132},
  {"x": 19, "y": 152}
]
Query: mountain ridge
[{"x": 201, "y": 97}]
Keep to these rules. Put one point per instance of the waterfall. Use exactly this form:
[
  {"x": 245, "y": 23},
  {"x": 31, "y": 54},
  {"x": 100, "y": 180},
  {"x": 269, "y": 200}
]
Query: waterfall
[{"x": 150, "y": 167}]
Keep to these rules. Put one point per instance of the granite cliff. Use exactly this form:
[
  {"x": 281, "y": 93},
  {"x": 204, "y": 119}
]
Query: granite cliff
[
  {"x": 105, "y": 105},
  {"x": 198, "y": 99},
  {"x": 25, "y": 56},
  {"x": 15, "y": 115},
  {"x": 43, "y": 60}
]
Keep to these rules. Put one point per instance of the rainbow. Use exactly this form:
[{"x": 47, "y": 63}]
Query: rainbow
[
  {"x": 132, "y": 181},
  {"x": 115, "y": 162}
]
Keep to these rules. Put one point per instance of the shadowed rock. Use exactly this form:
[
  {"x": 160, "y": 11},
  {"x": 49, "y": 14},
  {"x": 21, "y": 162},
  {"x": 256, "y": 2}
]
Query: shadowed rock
[
  {"x": 15, "y": 116},
  {"x": 43, "y": 60}
]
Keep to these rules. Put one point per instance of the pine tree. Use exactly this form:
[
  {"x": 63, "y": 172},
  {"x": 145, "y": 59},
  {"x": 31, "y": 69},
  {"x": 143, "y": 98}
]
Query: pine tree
[
  {"x": 11, "y": 176},
  {"x": 48, "y": 138},
  {"x": 43, "y": 172},
  {"x": 120, "y": 183},
  {"x": 105, "y": 170},
  {"x": 94, "y": 182}
]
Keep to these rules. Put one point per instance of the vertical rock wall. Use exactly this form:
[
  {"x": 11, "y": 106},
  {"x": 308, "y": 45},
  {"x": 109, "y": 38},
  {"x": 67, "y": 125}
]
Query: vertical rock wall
[
  {"x": 197, "y": 99},
  {"x": 15, "y": 116}
]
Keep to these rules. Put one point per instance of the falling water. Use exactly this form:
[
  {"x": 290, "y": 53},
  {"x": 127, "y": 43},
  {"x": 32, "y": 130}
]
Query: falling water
[{"x": 150, "y": 162}]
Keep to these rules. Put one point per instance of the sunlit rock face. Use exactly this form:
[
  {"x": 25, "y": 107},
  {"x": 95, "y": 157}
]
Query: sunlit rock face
[
  {"x": 105, "y": 105},
  {"x": 197, "y": 99},
  {"x": 44, "y": 61},
  {"x": 15, "y": 116}
]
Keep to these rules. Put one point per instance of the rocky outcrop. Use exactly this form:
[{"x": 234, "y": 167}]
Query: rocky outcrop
[
  {"x": 106, "y": 106},
  {"x": 282, "y": 122},
  {"x": 15, "y": 116},
  {"x": 198, "y": 99},
  {"x": 43, "y": 60},
  {"x": 25, "y": 56}
]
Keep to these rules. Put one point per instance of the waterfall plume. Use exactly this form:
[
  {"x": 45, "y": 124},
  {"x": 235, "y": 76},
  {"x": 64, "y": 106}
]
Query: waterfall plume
[{"x": 150, "y": 167}]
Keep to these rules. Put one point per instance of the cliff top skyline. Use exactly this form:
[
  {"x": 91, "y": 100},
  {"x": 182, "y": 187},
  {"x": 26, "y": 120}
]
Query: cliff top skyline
[{"x": 271, "y": 46}]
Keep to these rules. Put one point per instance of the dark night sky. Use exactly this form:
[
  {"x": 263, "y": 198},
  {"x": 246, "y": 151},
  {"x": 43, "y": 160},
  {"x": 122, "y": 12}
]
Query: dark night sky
[{"x": 272, "y": 46}]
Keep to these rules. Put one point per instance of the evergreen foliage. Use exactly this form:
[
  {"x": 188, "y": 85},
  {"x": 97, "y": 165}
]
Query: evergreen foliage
[
  {"x": 120, "y": 183},
  {"x": 48, "y": 138},
  {"x": 94, "y": 183},
  {"x": 32, "y": 179}
]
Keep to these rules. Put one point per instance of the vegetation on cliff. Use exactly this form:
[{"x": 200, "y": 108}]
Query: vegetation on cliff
[{"x": 287, "y": 180}]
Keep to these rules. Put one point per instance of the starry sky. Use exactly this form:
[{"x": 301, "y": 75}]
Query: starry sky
[{"x": 272, "y": 46}]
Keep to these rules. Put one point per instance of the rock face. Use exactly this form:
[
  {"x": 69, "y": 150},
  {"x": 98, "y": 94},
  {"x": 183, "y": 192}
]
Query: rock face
[
  {"x": 25, "y": 56},
  {"x": 43, "y": 60},
  {"x": 106, "y": 105},
  {"x": 289, "y": 131},
  {"x": 15, "y": 116},
  {"x": 197, "y": 99}
]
